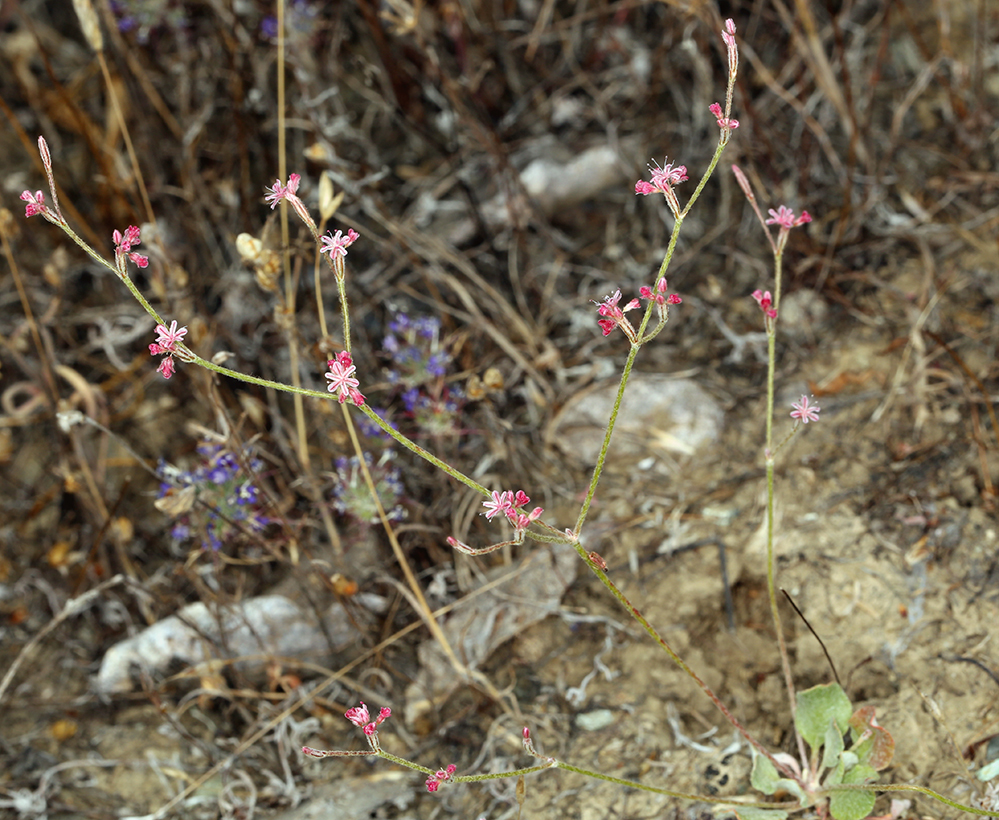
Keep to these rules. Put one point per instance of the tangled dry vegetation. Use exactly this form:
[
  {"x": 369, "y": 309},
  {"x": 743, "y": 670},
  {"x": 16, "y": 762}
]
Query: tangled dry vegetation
[{"x": 486, "y": 153}]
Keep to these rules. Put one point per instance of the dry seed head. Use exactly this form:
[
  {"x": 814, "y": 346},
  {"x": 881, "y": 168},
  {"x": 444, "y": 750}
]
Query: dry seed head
[
  {"x": 327, "y": 202},
  {"x": 90, "y": 24},
  {"x": 266, "y": 263},
  {"x": 267, "y": 270},
  {"x": 248, "y": 247}
]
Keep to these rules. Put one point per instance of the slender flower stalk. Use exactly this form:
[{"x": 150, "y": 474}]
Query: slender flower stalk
[{"x": 803, "y": 411}]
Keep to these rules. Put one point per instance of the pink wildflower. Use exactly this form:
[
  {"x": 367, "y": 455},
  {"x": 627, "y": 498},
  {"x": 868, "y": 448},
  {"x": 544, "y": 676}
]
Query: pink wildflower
[
  {"x": 167, "y": 337},
  {"x": 288, "y": 192},
  {"x": 358, "y": 715},
  {"x": 166, "y": 343},
  {"x": 804, "y": 411},
  {"x": 765, "y": 301},
  {"x": 784, "y": 217},
  {"x": 501, "y": 502},
  {"x": 123, "y": 247},
  {"x": 341, "y": 378},
  {"x": 336, "y": 244},
  {"x": 663, "y": 179},
  {"x": 613, "y": 315},
  {"x": 278, "y": 191},
  {"x": 36, "y": 203}
]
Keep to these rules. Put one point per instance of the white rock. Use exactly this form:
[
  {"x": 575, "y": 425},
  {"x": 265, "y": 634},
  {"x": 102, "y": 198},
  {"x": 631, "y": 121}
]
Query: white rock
[
  {"x": 270, "y": 625},
  {"x": 658, "y": 413}
]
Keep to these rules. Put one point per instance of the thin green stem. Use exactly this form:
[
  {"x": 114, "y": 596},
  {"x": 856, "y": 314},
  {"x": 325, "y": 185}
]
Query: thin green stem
[
  {"x": 602, "y": 458},
  {"x": 669, "y": 793},
  {"x": 641, "y": 340},
  {"x": 771, "y": 509},
  {"x": 341, "y": 285},
  {"x": 553, "y": 763}
]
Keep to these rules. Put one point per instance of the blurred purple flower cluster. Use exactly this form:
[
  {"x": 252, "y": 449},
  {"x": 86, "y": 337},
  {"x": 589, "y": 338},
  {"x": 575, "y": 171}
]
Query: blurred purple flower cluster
[{"x": 216, "y": 500}]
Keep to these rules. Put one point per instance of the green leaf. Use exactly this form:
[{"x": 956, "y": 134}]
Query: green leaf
[
  {"x": 851, "y": 805},
  {"x": 861, "y": 773},
  {"x": 819, "y": 707},
  {"x": 835, "y": 777},
  {"x": 764, "y": 777},
  {"x": 833, "y": 746},
  {"x": 849, "y": 758}
]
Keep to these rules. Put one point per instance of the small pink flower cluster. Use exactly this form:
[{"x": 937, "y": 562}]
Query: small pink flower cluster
[
  {"x": 36, "y": 203},
  {"x": 785, "y": 218},
  {"x": 289, "y": 193},
  {"x": 341, "y": 376},
  {"x": 765, "y": 301},
  {"x": 663, "y": 180},
  {"x": 278, "y": 191},
  {"x": 336, "y": 244},
  {"x": 358, "y": 715},
  {"x": 613, "y": 316},
  {"x": 166, "y": 343},
  {"x": 123, "y": 249},
  {"x": 442, "y": 776},
  {"x": 508, "y": 502},
  {"x": 723, "y": 121}
]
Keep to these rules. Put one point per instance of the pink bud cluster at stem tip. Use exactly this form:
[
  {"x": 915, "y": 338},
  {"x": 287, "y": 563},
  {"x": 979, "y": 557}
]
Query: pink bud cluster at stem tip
[
  {"x": 123, "y": 248},
  {"x": 731, "y": 48},
  {"x": 341, "y": 378},
  {"x": 508, "y": 503},
  {"x": 166, "y": 345},
  {"x": 441, "y": 776},
  {"x": 805, "y": 411}
]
